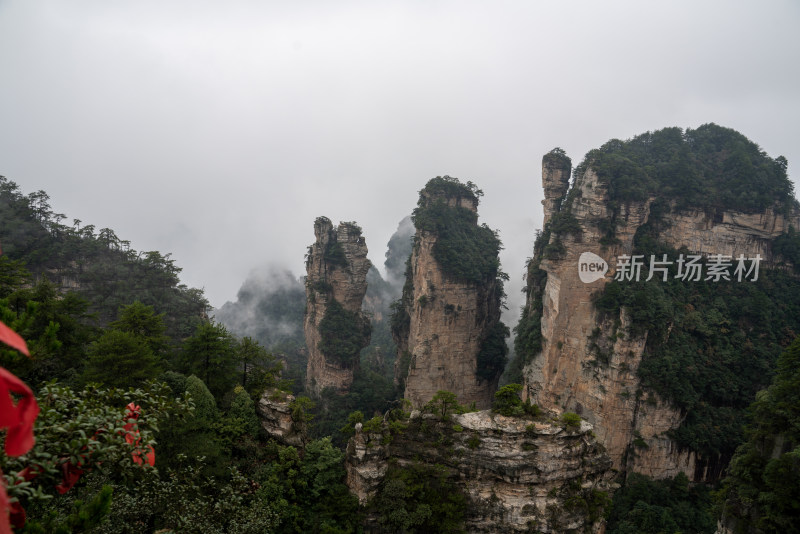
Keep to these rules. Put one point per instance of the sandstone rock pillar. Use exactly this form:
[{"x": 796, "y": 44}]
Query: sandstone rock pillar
[
  {"x": 448, "y": 318},
  {"x": 556, "y": 170},
  {"x": 335, "y": 328}
]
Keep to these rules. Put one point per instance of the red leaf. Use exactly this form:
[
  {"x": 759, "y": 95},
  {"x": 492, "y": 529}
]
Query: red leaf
[
  {"x": 17, "y": 515},
  {"x": 5, "y": 507},
  {"x": 12, "y": 339},
  {"x": 70, "y": 475},
  {"x": 150, "y": 457},
  {"x": 17, "y": 418},
  {"x": 132, "y": 436}
]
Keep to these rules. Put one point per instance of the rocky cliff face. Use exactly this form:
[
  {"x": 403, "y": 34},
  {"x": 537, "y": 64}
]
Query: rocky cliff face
[
  {"x": 633, "y": 424},
  {"x": 275, "y": 414},
  {"x": 448, "y": 321},
  {"x": 517, "y": 475},
  {"x": 335, "y": 328}
]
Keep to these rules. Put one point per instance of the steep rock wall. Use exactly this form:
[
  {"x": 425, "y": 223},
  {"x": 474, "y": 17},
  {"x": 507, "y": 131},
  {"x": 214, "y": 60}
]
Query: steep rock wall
[
  {"x": 518, "y": 475},
  {"x": 632, "y": 423},
  {"x": 336, "y": 270},
  {"x": 448, "y": 322},
  {"x": 448, "y": 319}
]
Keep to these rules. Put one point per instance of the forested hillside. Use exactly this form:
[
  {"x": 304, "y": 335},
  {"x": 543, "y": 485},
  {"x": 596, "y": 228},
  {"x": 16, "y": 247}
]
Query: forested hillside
[
  {"x": 148, "y": 409},
  {"x": 96, "y": 264}
]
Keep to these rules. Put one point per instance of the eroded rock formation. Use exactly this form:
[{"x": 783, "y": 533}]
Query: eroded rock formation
[
  {"x": 448, "y": 330},
  {"x": 556, "y": 171},
  {"x": 518, "y": 475},
  {"x": 335, "y": 328},
  {"x": 632, "y": 423},
  {"x": 275, "y": 414}
]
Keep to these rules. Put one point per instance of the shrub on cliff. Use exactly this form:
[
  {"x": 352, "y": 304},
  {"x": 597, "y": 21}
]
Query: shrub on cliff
[
  {"x": 571, "y": 420},
  {"x": 443, "y": 404},
  {"x": 507, "y": 401},
  {"x": 343, "y": 334}
]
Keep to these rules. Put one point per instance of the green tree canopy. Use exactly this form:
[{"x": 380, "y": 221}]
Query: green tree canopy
[
  {"x": 343, "y": 334},
  {"x": 120, "y": 359},
  {"x": 259, "y": 369},
  {"x": 443, "y": 405},
  {"x": 762, "y": 490},
  {"x": 211, "y": 354},
  {"x": 143, "y": 321},
  {"x": 507, "y": 401}
]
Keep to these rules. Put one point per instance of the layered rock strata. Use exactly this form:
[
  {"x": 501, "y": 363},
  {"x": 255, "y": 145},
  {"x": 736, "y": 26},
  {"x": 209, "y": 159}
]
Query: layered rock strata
[
  {"x": 336, "y": 281},
  {"x": 633, "y": 425},
  {"x": 518, "y": 475}
]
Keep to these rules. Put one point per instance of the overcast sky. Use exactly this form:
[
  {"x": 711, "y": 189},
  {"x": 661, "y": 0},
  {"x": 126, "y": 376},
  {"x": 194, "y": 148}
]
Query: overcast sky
[{"x": 219, "y": 130}]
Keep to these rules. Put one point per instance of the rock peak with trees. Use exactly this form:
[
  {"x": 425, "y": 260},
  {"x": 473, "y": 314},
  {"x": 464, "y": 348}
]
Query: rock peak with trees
[
  {"x": 663, "y": 368},
  {"x": 447, "y": 323},
  {"x": 335, "y": 328}
]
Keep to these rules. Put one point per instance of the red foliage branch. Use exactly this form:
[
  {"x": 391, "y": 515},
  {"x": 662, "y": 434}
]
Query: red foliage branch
[{"x": 17, "y": 418}]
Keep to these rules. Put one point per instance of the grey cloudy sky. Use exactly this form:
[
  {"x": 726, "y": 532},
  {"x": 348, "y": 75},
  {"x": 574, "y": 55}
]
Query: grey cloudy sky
[{"x": 219, "y": 131}]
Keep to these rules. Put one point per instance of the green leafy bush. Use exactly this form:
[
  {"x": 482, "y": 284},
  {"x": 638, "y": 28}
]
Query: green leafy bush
[
  {"x": 343, "y": 334},
  {"x": 443, "y": 405},
  {"x": 507, "y": 401},
  {"x": 571, "y": 420}
]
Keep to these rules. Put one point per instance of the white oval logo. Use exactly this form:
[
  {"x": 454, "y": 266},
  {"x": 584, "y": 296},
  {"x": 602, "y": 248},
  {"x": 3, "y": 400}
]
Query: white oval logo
[{"x": 591, "y": 267}]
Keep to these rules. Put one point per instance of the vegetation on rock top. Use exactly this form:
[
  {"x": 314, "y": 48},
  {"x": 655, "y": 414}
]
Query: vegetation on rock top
[
  {"x": 466, "y": 251},
  {"x": 710, "y": 167}
]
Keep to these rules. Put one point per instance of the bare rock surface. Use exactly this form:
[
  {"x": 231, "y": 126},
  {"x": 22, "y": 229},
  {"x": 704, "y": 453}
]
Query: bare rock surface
[{"x": 275, "y": 413}]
